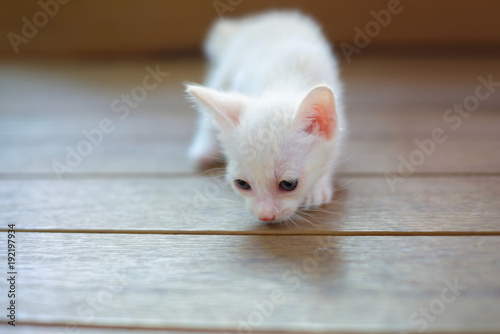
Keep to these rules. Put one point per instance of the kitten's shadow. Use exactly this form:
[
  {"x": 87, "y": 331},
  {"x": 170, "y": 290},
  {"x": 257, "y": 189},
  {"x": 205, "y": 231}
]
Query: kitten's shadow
[
  {"x": 309, "y": 260},
  {"x": 299, "y": 247}
]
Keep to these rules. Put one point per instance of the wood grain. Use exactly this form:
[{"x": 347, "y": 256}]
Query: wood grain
[
  {"x": 207, "y": 205},
  {"x": 215, "y": 282}
]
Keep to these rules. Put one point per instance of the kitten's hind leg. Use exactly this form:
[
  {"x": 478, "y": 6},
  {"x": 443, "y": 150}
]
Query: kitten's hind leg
[
  {"x": 205, "y": 149},
  {"x": 321, "y": 193}
]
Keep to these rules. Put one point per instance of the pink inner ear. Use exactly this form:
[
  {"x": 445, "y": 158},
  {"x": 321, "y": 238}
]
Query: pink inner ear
[{"x": 322, "y": 122}]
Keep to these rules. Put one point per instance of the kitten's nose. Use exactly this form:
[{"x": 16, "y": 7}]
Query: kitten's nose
[{"x": 267, "y": 219}]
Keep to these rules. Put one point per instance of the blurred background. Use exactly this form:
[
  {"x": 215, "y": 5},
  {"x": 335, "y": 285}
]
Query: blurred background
[{"x": 127, "y": 28}]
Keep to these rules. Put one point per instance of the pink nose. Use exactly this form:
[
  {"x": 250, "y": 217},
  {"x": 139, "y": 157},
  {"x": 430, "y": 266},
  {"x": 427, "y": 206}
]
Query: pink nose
[{"x": 267, "y": 219}]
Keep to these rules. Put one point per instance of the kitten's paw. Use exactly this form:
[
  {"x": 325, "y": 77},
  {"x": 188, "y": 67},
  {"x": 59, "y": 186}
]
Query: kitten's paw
[{"x": 320, "y": 194}]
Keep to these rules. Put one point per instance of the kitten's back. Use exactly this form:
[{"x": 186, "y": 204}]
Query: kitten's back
[
  {"x": 269, "y": 28},
  {"x": 279, "y": 49}
]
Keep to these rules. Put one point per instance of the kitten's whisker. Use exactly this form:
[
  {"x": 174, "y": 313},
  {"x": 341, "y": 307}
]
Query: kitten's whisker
[
  {"x": 211, "y": 170},
  {"x": 296, "y": 225},
  {"x": 224, "y": 204},
  {"x": 307, "y": 214},
  {"x": 304, "y": 219},
  {"x": 307, "y": 220},
  {"x": 347, "y": 158},
  {"x": 226, "y": 200},
  {"x": 323, "y": 211},
  {"x": 340, "y": 200},
  {"x": 231, "y": 214},
  {"x": 341, "y": 187}
]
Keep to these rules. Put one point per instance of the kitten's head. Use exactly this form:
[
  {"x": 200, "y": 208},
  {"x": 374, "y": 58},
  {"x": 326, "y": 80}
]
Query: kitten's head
[{"x": 276, "y": 148}]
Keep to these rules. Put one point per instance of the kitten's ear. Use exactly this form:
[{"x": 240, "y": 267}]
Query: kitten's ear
[
  {"x": 316, "y": 113},
  {"x": 226, "y": 108}
]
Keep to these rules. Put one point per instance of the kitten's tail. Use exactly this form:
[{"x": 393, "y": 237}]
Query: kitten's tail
[{"x": 218, "y": 37}]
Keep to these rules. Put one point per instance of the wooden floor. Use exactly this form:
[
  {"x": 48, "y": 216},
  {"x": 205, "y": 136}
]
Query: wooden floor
[{"x": 133, "y": 238}]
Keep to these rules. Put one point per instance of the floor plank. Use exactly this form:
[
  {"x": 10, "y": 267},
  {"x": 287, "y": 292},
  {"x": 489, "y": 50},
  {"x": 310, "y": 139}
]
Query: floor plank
[
  {"x": 154, "y": 155},
  {"x": 218, "y": 280},
  {"x": 207, "y": 204}
]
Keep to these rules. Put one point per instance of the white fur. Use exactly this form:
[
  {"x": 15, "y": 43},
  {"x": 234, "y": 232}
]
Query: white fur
[{"x": 270, "y": 74}]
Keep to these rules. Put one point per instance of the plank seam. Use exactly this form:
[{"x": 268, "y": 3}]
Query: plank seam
[
  {"x": 226, "y": 330},
  {"x": 266, "y": 233}
]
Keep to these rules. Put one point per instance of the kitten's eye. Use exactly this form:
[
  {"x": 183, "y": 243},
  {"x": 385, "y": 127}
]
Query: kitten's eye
[
  {"x": 242, "y": 184},
  {"x": 289, "y": 185}
]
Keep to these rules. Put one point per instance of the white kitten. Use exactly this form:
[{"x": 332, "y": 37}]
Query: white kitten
[{"x": 273, "y": 97}]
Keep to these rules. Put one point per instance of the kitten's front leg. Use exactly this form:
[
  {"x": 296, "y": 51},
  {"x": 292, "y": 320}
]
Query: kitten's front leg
[
  {"x": 321, "y": 193},
  {"x": 205, "y": 149}
]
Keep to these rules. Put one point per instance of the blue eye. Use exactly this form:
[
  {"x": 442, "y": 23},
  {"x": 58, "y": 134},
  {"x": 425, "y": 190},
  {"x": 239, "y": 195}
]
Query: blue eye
[
  {"x": 289, "y": 185},
  {"x": 242, "y": 184}
]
